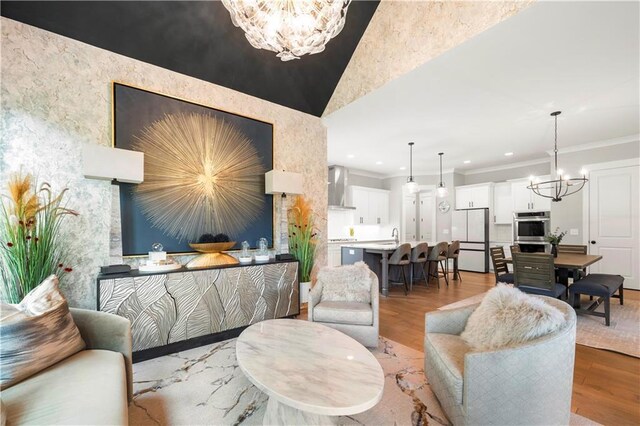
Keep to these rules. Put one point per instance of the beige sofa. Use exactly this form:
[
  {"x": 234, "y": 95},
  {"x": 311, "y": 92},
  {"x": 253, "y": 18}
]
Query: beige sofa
[
  {"x": 525, "y": 384},
  {"x": 93, "y": 386}
]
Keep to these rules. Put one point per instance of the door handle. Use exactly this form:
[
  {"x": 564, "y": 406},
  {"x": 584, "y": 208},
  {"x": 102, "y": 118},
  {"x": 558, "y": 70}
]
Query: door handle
[{"x": 593, "y": 241}]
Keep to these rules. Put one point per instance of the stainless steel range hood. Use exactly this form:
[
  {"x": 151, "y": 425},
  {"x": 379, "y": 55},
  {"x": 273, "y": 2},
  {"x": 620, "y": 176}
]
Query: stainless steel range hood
[{"x": 338, "y": 181}]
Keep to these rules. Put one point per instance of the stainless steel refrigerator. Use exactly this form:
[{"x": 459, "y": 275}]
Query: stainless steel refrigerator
[{"x": 471, "y": 227}]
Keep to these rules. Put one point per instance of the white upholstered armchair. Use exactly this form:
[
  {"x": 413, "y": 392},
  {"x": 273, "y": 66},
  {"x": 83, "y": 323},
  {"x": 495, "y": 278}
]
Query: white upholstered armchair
[
  {"x": 529, "y": 383},
  {"x": 346, "y": 298}
]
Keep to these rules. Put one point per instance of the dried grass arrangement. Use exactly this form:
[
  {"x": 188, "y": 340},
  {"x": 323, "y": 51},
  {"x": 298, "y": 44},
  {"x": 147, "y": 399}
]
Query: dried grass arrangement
[
  {"x": 302, "y": 236},
  {"x": 30, "y": 246}
]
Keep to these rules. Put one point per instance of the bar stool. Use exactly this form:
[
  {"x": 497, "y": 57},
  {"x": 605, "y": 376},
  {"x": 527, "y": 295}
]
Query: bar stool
[
  {"x": 401, "y": 258},
  {"x": 452, "y": 253},
  {"x": 419, "y": 257},
  {"x": 438, "y": 255}
]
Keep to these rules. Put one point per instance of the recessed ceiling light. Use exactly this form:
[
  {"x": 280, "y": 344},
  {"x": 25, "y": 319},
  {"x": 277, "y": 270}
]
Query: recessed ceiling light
[
  {"x": 508, "y": 154},
  {"x": 350, "y": 156},
  {"x": 403, "y": 168},
  {"x": 466, "y": 161},
  {"x": 378, "y": 162}
]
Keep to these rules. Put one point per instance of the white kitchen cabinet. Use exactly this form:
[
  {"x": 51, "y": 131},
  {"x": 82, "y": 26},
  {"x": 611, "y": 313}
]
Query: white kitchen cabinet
[
  {"x": 372, "y": 205},
  {"x": 379, "y": 207},
  {"x": 524, "y": 199},
  {"x": 474, "y": 196},
  {"x": 502, "y": 203},
  {"x": 360, "y": 200},
  {"x": 334, "y": 254}
]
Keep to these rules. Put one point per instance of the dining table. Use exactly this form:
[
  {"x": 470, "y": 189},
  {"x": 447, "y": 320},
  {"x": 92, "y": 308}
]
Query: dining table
[{"x": 567, "y": 262}]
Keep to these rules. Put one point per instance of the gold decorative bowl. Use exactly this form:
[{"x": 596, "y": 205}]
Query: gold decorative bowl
[{"x": 212, "y": 255}]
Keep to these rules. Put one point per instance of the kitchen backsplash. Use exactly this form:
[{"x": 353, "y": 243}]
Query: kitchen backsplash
[{"x": 339, "y": 222}]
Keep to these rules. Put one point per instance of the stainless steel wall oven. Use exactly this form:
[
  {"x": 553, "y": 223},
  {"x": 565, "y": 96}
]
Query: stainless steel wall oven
[{"x": 531, "y": 226}]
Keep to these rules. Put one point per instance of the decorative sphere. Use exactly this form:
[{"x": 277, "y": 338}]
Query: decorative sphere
[{"x": 156, "y": 247}]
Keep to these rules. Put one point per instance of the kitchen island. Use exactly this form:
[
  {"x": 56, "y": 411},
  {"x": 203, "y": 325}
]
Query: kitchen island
[{"x": 376, "y": 256}]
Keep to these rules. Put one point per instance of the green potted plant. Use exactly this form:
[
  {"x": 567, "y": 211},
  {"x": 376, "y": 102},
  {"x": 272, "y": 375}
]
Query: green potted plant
[
  {"x": 302, "y": 241},
  {"x": 555, "y": 238},
  {"x": 30, "y": 246}
]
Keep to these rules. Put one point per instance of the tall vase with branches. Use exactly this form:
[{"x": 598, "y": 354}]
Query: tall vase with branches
[
  {"x": 30, "y": 246},
  {"x": 302, "y": 236}
]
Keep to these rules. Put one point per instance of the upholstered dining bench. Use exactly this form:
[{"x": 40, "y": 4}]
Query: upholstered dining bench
[{"x": 601, "y": 286}]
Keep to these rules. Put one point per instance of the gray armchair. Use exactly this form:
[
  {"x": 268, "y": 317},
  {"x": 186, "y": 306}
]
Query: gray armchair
[
  {"x": 529, "y": 383},
  {"x": 357, "y": 320}
]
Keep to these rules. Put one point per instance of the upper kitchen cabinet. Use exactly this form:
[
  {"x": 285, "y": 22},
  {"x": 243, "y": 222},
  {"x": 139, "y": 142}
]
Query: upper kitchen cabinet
[
  {"x": 372, "y": 205},
  {"x": 474, "y": 196},
  {"x": 525, "y": 200},
  {"x": 502, "y": 204}
]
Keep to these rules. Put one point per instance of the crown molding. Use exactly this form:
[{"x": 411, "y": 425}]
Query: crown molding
[
  {"x": 598, "y": 144},
  {"x": 504, "y": 167},
  {"x": 365, "y": 173}
]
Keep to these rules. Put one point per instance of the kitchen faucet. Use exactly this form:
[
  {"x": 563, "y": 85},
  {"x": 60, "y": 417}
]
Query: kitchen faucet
[{"x": 394, "y": 234}]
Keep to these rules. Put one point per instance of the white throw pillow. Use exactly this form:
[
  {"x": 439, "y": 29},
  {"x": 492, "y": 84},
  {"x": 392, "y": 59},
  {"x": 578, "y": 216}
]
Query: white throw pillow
[
  {"x": 348, "y": 283},
  {"x": 507, "y": 316}
]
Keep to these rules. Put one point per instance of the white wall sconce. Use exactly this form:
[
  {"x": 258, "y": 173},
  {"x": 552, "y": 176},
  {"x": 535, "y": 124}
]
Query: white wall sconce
[{"x": 121, "y": 165}]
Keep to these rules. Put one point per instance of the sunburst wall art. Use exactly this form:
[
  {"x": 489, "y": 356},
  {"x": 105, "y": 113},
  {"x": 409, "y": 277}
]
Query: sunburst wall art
[{"x": 204, "y": 172}]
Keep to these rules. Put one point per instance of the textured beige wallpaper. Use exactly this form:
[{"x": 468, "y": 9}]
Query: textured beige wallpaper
[
  {"x": 405, "y": 34},
  {"x": 56, "y": 95}
]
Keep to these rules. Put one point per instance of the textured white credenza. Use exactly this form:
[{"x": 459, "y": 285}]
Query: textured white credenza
[{"x": 181, "y": 309}]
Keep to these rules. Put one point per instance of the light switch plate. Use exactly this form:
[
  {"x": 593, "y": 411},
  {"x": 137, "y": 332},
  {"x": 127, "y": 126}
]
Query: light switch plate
[
  {"x": 445, "y": 231},
  {"x": 573, "y": 231}
]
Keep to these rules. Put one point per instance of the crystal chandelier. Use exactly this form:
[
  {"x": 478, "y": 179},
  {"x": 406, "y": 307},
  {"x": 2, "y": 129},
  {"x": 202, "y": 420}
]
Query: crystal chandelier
[
  {"x": 563, "y": 184},
  {"x": 412, "y": 186},
  {"x": 291, "y": 28},
  {"x": 442, "y": 190}
]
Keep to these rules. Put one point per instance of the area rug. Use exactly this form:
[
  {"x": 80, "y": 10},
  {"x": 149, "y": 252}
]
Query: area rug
[
  {"x": 204, "y": 386},
  {"x": 623, "y": 335}
]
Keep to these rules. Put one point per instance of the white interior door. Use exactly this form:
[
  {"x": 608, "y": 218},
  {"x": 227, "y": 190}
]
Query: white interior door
[
  {"x": 426, "y": 216},
  {"x": 613, "y": 222},
  {"x": 410, "y": 213}
]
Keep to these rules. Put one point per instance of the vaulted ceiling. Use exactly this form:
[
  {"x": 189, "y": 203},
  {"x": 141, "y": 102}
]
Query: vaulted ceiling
[{"x": 197, "y": 38}]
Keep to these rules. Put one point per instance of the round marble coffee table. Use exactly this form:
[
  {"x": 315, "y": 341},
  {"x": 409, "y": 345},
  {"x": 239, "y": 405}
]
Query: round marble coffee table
[{"x": 310, "y": 372}]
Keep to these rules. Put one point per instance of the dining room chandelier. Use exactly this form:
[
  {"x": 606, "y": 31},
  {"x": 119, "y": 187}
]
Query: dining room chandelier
[
  {"x": 442, "y": 190},
  {"x": 412, "y": 186},
  {"x": 563, "y": 184},
  {"x": 291, "y": 28}
]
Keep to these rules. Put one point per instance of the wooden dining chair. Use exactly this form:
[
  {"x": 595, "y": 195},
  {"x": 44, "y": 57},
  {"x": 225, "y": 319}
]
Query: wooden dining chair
[
  {"x": 500, "y": 267},
  {"x": 535, "y": 274},
  {"x": 438, "y": 255},
  {"x": 400, "y": 259},
  {"x": 574, "y": 249}
]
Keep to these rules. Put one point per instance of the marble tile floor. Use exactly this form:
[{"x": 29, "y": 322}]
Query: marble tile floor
[{"x": 204, "y": 386}]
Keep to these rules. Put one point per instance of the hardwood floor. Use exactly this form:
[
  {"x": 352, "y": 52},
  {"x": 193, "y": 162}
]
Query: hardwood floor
[{"x": 606, "y": 384}]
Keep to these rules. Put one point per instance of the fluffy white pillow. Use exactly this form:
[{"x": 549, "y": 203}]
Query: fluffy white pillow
[
  {"x": 507, "y": 316},
  {"x": 348, "y": 283}
]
